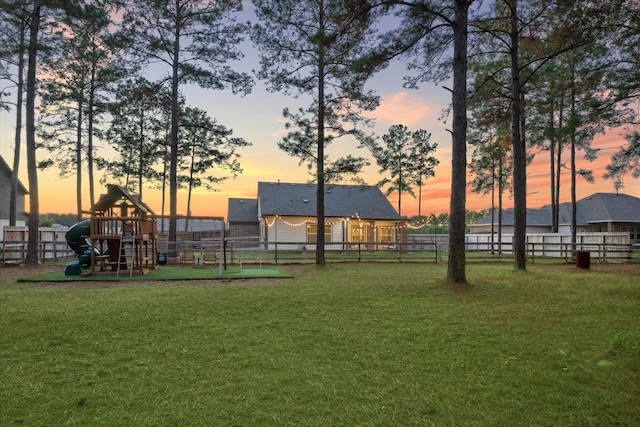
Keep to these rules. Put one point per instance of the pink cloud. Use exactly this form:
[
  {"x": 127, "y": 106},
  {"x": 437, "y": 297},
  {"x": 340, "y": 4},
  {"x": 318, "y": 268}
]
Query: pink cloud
[{"x": 404, "y": 108}]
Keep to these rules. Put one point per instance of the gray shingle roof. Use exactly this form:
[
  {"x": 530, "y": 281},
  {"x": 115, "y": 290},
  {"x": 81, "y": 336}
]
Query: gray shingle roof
[
  {"x": 540, "y": 216},
  {"x": 242, "y": 210},
  {"x": 194, "y": 225},
  {"x": 5, "y": 169},
  {"x": 607, "y": 207},
  {"x": 599, "y": 207},
  {"x": 289, "y": 199}
]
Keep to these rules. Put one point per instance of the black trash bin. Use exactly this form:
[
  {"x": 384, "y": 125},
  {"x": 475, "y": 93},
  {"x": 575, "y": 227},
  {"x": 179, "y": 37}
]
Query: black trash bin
[
  {"x": 583, "y": 260},
  {"x": 162, "y": 258}
]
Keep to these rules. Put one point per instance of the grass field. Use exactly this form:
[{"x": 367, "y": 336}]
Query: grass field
[{"x": 345, "y": 345}]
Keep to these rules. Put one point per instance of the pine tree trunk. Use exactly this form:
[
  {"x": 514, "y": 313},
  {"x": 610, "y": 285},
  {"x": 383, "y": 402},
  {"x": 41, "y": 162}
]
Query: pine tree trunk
[
  {"x": 32, "y": 172},
  {"x": 320, "y": 259},
  {"x": 79, "y": 159},
  {"x": 173, "y": 156},
  {"x": 456, "y": 264},
  {"x": 574, "y": 231},
  {"x": 90, "y": 118},
  {"x": 519, "y": 155},
  {"x": 552, "y": 167}
]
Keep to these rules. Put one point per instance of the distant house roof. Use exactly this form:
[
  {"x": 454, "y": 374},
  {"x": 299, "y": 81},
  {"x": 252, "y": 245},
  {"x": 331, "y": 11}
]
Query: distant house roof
[
  {"x": 242, "y": 210},
  {"x": 116, "y": 193},
  {"x": 540, "y": 216},
  {"x": 193, "y": 225},
  {"x": 290, "y": 199},
  {"x": 5, "y": 170},
  {"x": 606, "y": 207},
  {"x": 597, "y": 208}
]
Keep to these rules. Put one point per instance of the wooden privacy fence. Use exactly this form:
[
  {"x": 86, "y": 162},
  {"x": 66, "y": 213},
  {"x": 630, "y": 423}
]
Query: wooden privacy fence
[
  {"x": 609, "y": 247},
  {"x": 52, "y": 244},
  {"x": 601, "y": 246},
  {"x": 251, "y": 248}
]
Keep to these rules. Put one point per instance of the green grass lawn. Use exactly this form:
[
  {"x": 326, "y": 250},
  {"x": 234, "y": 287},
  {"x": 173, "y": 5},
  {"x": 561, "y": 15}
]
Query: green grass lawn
[{"x": 364, "y": 344}]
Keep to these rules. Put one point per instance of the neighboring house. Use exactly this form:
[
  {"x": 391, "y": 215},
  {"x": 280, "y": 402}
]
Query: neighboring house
[
  {"x": 5, "y": 197},
  {"x": 600, "y": 212},
  {"x": 286, "y": 213},
  {"x": 242, "y": 216}
]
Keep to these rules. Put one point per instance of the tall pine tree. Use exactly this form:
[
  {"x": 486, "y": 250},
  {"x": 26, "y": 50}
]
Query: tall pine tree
[
  {"x": 195, "y": 41},
  {"x": 307, "y": 49}
]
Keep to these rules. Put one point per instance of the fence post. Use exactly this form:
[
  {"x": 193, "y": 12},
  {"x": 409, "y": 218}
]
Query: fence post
[
  {"x": 601, "y": 252},
  {"x": 533, "y": 253}
]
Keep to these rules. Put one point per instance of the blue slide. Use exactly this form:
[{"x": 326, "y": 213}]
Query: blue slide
[{"x": 79, "y": 243}]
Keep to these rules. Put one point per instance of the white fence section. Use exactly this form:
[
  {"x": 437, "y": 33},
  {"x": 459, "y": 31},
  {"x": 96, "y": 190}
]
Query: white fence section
[{"x": 602, "y": 246}]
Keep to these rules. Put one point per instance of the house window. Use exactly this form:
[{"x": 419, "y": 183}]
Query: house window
[
  {"x": 385, "y": 234},
  {"x": 312, "y": 233},
  {"x": 358, "y": 234},
  {"x": 634, "y": 232},
  {"x": 597, "y": 229}
]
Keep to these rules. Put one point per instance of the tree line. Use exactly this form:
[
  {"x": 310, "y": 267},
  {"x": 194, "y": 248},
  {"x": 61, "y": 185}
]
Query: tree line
[{"x": 547, "y": 75}]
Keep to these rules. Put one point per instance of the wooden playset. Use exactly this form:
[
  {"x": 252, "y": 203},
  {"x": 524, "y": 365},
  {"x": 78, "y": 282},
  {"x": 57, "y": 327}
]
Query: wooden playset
[{"x": 123, "y": 234}]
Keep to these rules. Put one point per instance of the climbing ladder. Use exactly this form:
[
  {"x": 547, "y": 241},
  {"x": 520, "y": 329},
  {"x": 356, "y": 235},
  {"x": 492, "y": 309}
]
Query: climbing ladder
[{"x": 127, "y": 252}]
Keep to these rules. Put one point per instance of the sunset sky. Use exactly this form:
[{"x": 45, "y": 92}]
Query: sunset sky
[{"x": 258, "y": 118}]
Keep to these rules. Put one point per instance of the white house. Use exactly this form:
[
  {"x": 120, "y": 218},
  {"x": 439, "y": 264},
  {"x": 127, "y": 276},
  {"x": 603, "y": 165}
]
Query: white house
[{"x": 286, "y": 213}]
